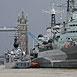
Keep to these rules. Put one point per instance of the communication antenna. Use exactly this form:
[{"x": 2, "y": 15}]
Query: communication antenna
[
  {"x": 53, "y": 12},
  {"x": 70, "y": 7}
]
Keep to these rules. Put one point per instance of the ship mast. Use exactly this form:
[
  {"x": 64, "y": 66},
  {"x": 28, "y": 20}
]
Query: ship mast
[
  {"x": 52, "y": 12},
  {"x": 70, "y": 7}
]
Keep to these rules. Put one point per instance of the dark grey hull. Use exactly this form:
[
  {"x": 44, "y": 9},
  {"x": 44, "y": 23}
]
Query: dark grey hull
[
  {"x": 71, "y": 52},
  {"x": 47, "y": 63},
  {"x": 66, "y": 57}
]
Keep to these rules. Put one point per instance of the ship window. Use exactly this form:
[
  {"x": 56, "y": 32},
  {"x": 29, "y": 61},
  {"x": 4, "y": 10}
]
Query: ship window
[
  {"x": 58, "y": 36},
  {"x": 73, "y": 25},
  {"x": 68, "y": 38},
  {"x": 65, "y": 29},
  {"x": 35, "y": 55},
  {"x": 73, "y": 31}
]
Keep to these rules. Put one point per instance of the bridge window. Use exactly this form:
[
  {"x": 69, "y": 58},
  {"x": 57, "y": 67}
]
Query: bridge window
[
  {"x": 70, "y": 25},
  {"x": 73, "y": 31},
  {"x": 74, "y": 25}
]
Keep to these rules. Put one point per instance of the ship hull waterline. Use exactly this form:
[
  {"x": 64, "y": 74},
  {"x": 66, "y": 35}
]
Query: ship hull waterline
[{"x": 65, "y": 57}]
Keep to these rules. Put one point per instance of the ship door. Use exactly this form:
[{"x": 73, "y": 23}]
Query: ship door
[{"x": 35, "y": 55}]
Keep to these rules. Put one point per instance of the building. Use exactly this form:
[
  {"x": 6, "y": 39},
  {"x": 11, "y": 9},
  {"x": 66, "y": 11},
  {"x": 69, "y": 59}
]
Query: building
[{"x": 23, "y": 32}]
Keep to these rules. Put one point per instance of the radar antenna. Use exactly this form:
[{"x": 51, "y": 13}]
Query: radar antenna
[{"x": 52, "y": 12}]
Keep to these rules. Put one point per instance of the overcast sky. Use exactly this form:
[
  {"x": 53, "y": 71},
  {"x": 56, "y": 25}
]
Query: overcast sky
[{"x": 38, "y": 21}]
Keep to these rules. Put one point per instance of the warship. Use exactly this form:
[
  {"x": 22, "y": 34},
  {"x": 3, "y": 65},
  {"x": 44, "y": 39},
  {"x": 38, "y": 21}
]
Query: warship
[{"x": 58, "y": 48}]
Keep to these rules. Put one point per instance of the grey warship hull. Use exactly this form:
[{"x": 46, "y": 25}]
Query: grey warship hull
[
  {"x": 56, "y": 63},
  {"x": 65, "y": 57}
]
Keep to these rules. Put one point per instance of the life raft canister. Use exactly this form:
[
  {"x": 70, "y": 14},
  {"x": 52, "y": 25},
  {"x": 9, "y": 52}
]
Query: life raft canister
[{"x": 65, "y": 46}]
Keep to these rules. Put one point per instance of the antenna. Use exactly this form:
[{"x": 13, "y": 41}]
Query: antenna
[
  {"x": 70, "y": 7},
  {"x": 53, "y": 12}
]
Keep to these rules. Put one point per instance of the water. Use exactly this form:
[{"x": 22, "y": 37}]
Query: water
[{"x": 38, "y": 72}]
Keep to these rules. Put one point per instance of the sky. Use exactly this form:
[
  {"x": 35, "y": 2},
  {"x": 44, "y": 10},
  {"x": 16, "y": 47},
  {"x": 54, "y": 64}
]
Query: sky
[{"x": 38, "y": 21}]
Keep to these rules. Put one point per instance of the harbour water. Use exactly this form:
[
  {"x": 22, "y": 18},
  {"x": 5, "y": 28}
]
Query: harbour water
[{"x": 38, "y": 72}]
